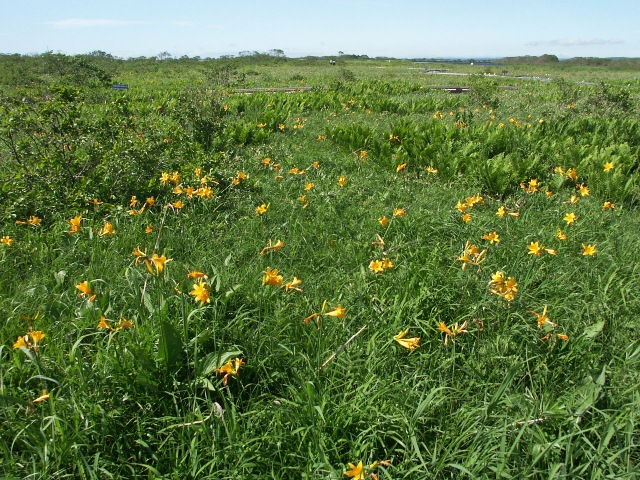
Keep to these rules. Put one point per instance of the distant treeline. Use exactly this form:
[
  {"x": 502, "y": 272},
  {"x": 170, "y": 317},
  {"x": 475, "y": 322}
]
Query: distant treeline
[
  {"x": 622, "y": 63},
  {"x": 460, "y": 61},
  {"x": 532, "y": 59},
  {"x": 547, "y": 59},
  {"x": 99, "y": 68}
]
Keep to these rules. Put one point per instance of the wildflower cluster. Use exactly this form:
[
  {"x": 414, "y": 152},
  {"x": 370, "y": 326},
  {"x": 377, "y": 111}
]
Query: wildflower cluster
[
  {"x": 548, "y": 326},
  {"x": 535, "y": 248},
  {"x": 32, "y": 221},
  {"x": 505, "y": 288},
  {"x": 502, "y": 211},
  {"x": 155, "y": 263},
  {"x": 122, "y": 324},
  {"x": 468, "y": 204},
  {"x": 379, "y": 266},
  {"x": 31, "y": 340},
  {"x": 472, "y": 256},
  {"x": 176, "y": 192},
  {"x": 273, "y": 277}
]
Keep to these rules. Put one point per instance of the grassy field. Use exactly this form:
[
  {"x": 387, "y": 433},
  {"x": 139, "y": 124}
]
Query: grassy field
[{"x": 370, "y": 279}]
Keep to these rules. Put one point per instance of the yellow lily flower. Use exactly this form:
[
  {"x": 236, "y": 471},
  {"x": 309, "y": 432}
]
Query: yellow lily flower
[
  {"x": 293, "y": 285},
  {"x": 386, "y": 263},
  {"x": 262, "y": 209},
  {"x": 492, "y": 237},
  {"x": 356, "y": 472},
  {"x": 535, "y": 248},
  {"x": 399, "y": 212},
  {"x": 104, "y": 323},
  {"x": 472, "y": 256},
  {"x": 107, "y": 229},
  {"x": 42, "y": 398},
  {"x": 230, "y": 368},
  {"x": 376, "y": 266},
  {"x": 124, "y": 323},
  {"x": 271, "y": 277},
  {"x": 338, "y": 312},
  {"x": 278, "y": 245},
  {"x": 542, "y": 318},
  {"x": 30, "y": 340},
  {"x": 36, "y": 336},
  {"x": 75, "y": 224},
  {"x": 505, "y": 289},
  {"x": 32, "y": 220},
  {"x": 200, "y": 292},
  {"x": 159, "y": 262},
  {"x": 583, "y": 190},
  {"x": 473, "y": 200},
  {"x": 410, "y": 343},
  {"x": 196, "y": 275},
  {"x": 85, "y": 290},
  {"x": 452, "y": 331},
  {"x": 20, "y": 342}
]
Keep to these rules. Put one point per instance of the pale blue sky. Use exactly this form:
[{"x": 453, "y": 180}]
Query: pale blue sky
[{"x": 394, "y": 28}]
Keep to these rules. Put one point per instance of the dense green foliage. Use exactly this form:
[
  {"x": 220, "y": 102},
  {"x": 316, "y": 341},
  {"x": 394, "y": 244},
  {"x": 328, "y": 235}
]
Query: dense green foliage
[{"x": 541, "y": 381}]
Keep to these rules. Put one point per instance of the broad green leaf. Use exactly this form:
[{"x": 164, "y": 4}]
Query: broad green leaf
[{"x": 593, "y": 330}]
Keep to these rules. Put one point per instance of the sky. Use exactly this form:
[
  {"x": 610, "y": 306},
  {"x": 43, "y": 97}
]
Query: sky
[{"x": 377, "y": 28}]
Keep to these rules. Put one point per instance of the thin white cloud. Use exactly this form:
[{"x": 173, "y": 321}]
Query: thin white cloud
[
  {"x": 574, "y": 42},
  {"x": 178, "y": 23},
  {"x": 92, "y": 22}
]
